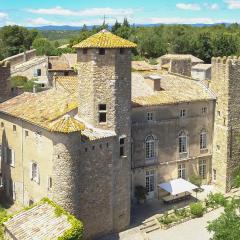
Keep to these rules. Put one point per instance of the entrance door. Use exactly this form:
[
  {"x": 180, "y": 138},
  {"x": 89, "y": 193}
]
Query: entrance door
[{"x": 150, "y": 181}]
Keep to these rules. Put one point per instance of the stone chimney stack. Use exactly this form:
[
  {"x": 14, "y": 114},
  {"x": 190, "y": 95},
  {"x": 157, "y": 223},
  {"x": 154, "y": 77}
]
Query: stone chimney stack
[
  {"x": 154, "y": 81},
  {"x": 5, "y": 84}
]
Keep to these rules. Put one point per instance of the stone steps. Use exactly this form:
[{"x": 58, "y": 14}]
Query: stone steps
[{"x": 149, "y": 225}]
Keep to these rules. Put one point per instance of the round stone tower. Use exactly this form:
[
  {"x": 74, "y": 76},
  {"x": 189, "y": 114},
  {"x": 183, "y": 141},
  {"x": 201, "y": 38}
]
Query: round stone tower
[{"x": 5, "y": 85}]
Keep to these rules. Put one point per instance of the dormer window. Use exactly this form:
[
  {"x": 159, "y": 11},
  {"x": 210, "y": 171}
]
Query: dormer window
[
  {"x": 101, "y": 51},
  {"x": 85, "y": 51},
  {"x": 102, "y": 109},
  {"x": 121, "y": 51}
]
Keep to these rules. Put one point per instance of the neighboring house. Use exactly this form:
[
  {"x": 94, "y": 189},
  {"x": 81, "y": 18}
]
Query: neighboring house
[
  {"x": 201, "y": 72},
  {"x": 51, "y": 222},
  {"x": 42, "y": 68},
  {"x": 179, "y": 63},
  {"x": 91, "y": 139}
]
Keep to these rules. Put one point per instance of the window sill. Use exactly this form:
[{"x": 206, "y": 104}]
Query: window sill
[{"x": 124, "y": 156}]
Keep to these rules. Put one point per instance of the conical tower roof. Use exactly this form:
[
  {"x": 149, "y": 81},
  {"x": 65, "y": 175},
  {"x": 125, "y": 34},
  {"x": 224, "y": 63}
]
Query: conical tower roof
[{"x": 105, "y": 39}]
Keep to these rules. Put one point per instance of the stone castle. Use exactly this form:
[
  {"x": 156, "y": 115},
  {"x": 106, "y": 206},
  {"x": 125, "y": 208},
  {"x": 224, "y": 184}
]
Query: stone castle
[{"x": 90, "y": 140}]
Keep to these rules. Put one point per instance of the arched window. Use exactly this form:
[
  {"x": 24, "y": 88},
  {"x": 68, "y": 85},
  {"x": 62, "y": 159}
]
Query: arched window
[
  {"x": 150, "y": 145},
  {"x": 203, "y": 139},
  {"x": 182, "y": 142}
]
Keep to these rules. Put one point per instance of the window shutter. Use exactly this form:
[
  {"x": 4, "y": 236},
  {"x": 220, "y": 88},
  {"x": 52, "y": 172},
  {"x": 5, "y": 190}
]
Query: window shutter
[{"x": 13, "y": 158}]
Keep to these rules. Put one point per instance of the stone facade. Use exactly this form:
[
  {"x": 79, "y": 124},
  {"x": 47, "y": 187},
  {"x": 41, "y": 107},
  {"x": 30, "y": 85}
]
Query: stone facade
[
  {"x": 5, "y": 84},
  {"x": 181, "y": 66},
  {"x": 167, "y": 122},
  {"x": 225, "y": 83}
]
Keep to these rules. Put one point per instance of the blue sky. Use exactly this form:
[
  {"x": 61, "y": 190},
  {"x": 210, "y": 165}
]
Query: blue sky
[{"x": 90, "y": 12}]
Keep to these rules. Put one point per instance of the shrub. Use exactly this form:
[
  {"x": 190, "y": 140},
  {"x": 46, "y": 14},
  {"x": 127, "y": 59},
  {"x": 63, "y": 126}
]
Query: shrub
[
  {"x": 168, "y": 219},
  {"x": 197, "y": 209},
  {"x": 196, "y": 180},
  {"x": 18, "y": 81},
  {"x": 153, "y": 61},
  {"x": 140, "y": 192},
  {"x": 215, "y": 199},
  {"x": 182, "y": 213}
]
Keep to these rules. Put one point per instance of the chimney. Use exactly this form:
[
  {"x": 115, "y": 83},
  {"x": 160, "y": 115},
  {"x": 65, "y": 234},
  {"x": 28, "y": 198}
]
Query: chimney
[{"x": 154, "y": 81}]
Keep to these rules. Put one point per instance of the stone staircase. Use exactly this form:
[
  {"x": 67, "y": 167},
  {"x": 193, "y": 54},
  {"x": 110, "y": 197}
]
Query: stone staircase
[{"x": 149, "y": 225}]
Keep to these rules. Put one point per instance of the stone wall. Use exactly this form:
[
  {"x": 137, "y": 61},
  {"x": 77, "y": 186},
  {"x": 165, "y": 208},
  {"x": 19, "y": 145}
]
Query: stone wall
[
  {"x": 21, "y": 57},
  {"x": 82, "y": 177},
  {"x": 106, "y": 79},
  {"x": 226, "y": 84},
  {"x": 181, "y": 66},
  {"x": 5, "y": 84}
]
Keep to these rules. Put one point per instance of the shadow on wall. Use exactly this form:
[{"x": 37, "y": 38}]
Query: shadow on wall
[{"x": 7, "y": 189}]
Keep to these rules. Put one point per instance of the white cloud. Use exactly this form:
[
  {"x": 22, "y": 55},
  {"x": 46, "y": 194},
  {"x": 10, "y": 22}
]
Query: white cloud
[
  {"x": 3, "y": 15},
  {"x": 233, "y": 4},
  {"x": 213, "y": 6},
  {"x": 86, "y": 12},
  {"x": 189, "y": 6},
  {"x": 41, "y": 22}
]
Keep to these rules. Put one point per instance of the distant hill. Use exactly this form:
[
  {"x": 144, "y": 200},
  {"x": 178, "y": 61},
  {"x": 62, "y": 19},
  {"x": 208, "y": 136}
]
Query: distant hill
[{"x": 76, "y": 28}]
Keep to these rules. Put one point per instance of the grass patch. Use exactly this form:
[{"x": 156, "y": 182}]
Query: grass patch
[{"x": 3, "y": 215}]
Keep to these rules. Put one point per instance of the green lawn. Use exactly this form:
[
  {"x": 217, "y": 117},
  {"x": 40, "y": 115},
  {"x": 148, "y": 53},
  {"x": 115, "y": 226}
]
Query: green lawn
[{"x": 3, "y": 214}]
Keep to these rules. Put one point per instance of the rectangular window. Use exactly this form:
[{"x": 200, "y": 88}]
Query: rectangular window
[
  {"x": 122, "y": 146},
  {"x": 26, "y": 133},
  {"x": 102, "y": 110},
  {"x": 85, "y": 51},
  {"x": 203, "y": 169},
  {"x": 150, "y": 116},
  {"x": 10, "y": 156},
  {"x": 101, "y": 51},
  {"x": 39, "y": 72},
  {"x": 35, "y": 172},
  {"x": 203, "y": 140},
  {"x": 214, "y": 174},
  {"x": 182, "y": 171},
  {"x": 149, "y": 181},
  {"x": 183, "y": 113},
  {"x": 2, "y": 125},
  {"x": 122, "y": 50},
  {"x": 204, "y": 110},
  {"x": 14, "y": 128},
  {"x": 183, "y": 144},
  {"x": 49, "y": 183}
]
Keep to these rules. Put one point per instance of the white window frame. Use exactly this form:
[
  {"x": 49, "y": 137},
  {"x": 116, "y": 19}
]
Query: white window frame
[
  {"x": 203, "y": 169},
  {"x": 9, "y": 156},
  {"x": 203, "y": 140},
  {"x": 150, "y": 181},
  {"x": 150, "y": 148},
  {"x": 183, "y": 142},
  {"x": 183, "y": 113},
  {"x": 182, "y": 171},
  {"x": 150, "y": 116}
]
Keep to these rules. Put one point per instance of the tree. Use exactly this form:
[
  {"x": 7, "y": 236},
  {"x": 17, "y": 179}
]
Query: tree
[
  {"x": 44, "y": 47},
  {"x": 227, "y": 226},
  {"x": 16, "y": 39},
  {"x": 115, "y": 27}
]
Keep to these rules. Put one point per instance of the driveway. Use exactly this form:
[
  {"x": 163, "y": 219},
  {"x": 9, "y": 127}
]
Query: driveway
[{"x": 192, "y": 230}]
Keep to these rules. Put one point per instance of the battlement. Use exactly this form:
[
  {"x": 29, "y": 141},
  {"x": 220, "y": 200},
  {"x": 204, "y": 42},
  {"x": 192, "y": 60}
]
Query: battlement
[
  {"x": 231, "y": 60},
  {"x": 5, "y": 64}
]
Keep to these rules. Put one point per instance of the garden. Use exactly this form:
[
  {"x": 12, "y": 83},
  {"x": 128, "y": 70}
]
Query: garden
[
  {"x": 3, "y": 215},
  {"x": 194, "y": 210}
]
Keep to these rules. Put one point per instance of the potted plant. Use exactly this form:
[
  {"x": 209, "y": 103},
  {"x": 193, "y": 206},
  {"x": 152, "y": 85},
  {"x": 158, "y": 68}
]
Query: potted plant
[{"x": 140, "y": 194}]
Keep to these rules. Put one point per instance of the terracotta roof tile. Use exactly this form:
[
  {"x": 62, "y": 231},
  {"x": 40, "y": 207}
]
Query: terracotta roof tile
[
  {"x": 67, "y": 124},
  {"x": 105, "y": 39},
  {"x": 69, "y": 83}
]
